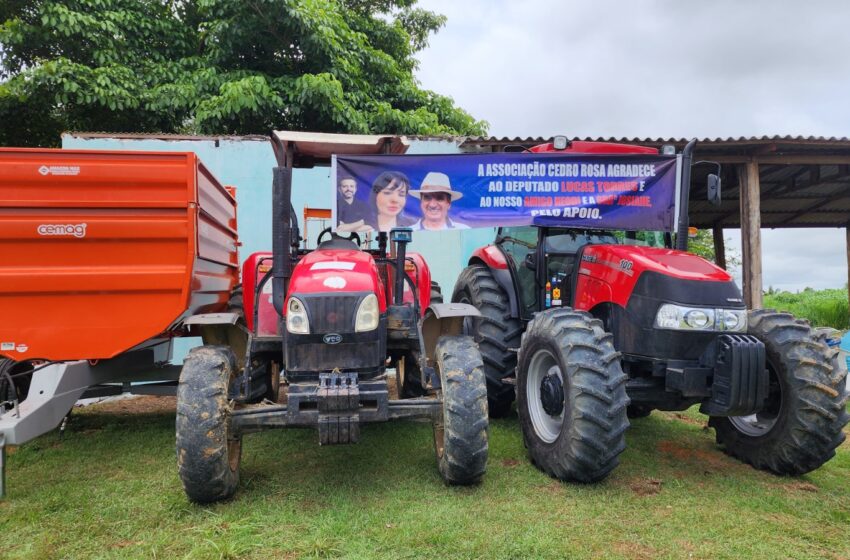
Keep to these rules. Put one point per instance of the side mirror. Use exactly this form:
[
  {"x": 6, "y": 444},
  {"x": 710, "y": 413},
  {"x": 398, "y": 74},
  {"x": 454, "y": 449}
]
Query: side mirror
[
  {"x": 713, "y": 184},
  {"x": 530, "y": 262}
]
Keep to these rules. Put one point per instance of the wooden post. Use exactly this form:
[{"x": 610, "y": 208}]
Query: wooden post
[
  {"x": 719, "y": 247},
  {"x": 847, "y": 234},
  {"x": 748, "y": 179}
]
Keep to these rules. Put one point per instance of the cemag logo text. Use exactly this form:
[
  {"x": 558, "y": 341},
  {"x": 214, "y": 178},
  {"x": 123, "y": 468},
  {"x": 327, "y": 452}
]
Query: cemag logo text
[{"x": 74, "y": 230}]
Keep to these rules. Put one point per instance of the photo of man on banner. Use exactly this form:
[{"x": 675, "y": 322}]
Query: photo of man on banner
[{"x": 436, "y": 197}]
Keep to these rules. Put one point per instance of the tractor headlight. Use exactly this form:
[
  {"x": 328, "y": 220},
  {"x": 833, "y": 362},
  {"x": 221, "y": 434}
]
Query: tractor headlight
[
  {"x": 682, "y": 318},
  {"x": 367, "y": 314},
  {"x": 296, "y": 317}
]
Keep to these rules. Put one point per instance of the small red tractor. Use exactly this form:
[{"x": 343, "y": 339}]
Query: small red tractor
[
  {"x": 330, "y": 321},
  {"x": 588, "y": 328}
]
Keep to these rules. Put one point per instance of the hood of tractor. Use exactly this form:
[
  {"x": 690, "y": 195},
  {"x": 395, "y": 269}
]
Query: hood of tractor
[
  {"x": 337, "y": 272},
  {"x": 616, "y": 273},
  {"x": 632, "y": 260}
]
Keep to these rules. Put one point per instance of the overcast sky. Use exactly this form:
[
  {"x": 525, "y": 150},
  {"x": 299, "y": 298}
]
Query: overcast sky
[{"x": 657, "y": 69}]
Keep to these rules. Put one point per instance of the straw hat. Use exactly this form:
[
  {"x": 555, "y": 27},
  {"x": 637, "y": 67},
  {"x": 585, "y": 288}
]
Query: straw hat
[{"x": 436, "y": 183}]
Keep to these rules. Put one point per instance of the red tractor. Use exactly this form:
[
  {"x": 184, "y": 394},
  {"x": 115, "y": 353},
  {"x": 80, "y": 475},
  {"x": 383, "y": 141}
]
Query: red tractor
[
  {"x": 329, "y": 322},
  {"x": 588, "y": 328}
]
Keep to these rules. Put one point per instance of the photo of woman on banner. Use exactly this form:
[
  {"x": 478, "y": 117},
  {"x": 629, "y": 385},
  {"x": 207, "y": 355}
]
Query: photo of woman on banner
[
  {"x": 387, "y": 200},
  {"x": 435, "y": 199}
]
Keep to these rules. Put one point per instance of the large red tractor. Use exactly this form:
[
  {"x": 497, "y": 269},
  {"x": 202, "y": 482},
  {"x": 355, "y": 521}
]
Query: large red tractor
[
  {"x": 330, "y": 322},
  {"x": 588, "y": 328}
]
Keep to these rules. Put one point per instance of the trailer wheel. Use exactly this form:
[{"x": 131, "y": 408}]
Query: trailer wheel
[
  {"x": 208, "y": 453},
  {"x": 496, "y": 333},
  {"x": 571, "y": 396},
  {"x": 802, "y": 421},
  {"x": 461, "y": 427},
  {"x": 15, "y": 379}
]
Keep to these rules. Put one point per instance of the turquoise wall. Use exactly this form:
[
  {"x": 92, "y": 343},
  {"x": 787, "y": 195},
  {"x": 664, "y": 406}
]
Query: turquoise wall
[{"x": 247, "y": 164}]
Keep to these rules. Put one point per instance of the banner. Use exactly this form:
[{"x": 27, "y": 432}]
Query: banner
[{"x": 443, "y": 192}]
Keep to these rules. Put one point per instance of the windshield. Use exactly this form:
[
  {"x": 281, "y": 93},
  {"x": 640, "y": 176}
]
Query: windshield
[{"x": 570, "y": 241}]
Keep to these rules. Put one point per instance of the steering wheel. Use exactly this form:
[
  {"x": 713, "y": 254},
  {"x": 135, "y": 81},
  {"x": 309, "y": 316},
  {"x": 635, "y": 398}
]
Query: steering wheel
[{"x": 352, "y": 236}]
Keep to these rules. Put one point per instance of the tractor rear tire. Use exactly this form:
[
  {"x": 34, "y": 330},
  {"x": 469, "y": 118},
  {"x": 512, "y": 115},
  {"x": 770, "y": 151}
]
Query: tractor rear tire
[
  {"x": 236, "y": 303},
  {"x": 411, "y": 385},
  {"x": 571, "y": 396},
  {"x": 436, "y": 293},
  {"x": 208, "y": 453},
  {"x": 496, "y": 332},
  {"x": 803, "y": 420},
  {"x": 461, "y": 431}
]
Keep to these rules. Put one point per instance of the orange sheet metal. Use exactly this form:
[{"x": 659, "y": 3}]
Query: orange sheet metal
[{"x": 101, "y": 251}]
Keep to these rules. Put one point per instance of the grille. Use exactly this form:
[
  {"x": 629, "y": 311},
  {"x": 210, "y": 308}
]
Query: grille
[
  {"x": 321, "y": 357},
  {"x": 332, "y": 314}
]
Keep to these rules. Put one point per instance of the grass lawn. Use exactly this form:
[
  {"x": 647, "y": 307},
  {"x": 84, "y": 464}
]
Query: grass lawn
[{"x": 110, "y": 489}]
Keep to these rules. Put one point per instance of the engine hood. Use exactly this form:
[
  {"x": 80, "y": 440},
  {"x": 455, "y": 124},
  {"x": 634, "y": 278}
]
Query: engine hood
[
  {"x": 636, "y": 260},
  {"x": 336, "y": 272}
]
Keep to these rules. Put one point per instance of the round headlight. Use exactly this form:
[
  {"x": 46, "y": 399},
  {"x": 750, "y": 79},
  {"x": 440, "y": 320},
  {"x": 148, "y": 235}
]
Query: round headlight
[
  {"x": 697, "y": 319},
  {"x": 730, "y": 320}
]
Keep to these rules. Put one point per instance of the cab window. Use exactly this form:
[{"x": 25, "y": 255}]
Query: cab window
[{"x": 518, "y": 243}]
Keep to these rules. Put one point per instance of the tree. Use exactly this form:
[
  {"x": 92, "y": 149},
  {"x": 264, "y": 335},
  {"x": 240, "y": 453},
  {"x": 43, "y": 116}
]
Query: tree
[
  {"x": 217, "y": 67},
  {"x": 703, "y": 245}
]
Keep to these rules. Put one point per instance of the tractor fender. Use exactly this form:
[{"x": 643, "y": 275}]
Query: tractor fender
[
  {"x": 226, "y": 329},
  {"x": 444, "y": 319}
]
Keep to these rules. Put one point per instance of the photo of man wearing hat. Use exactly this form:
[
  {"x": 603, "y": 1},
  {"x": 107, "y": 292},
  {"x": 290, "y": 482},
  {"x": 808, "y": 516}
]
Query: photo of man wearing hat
[{"x": 435, "y": 199}]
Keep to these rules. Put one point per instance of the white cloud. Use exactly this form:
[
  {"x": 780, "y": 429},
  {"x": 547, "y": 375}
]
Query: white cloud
[{"x": 657, "y": 69}]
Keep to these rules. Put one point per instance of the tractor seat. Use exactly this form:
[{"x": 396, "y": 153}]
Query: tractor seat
[{"x": 337, "y": 242}]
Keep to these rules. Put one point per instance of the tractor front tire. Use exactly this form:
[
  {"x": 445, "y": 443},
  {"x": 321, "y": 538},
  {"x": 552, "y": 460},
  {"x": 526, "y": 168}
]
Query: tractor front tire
[
  {"x": 496, "y": 332},
  {"x": 208, "y": 453},
  {"x": 461, "y": 430},
  {"x": 571, "y": 396},
  {"x": 805, "y": 413}
]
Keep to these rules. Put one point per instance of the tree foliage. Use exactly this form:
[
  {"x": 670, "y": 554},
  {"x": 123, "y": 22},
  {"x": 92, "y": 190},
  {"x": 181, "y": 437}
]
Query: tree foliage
[
  {"x": 703, "y": 245},
  {"x": 217, "y": 67}
]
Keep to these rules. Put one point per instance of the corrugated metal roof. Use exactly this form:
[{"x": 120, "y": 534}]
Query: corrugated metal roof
[
  {"x": 659, "y": 140},
  {"x": 805, "y": 180}
]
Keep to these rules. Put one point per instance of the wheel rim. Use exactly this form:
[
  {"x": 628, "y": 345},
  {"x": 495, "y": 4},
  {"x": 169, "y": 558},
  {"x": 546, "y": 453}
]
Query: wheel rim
[
  {"x": 543, "y": 369},
  {"x": 761, "y": 422}
]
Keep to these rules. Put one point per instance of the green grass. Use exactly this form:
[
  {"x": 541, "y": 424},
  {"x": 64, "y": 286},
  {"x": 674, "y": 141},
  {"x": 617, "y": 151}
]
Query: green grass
[
  {"x": 109, "y": 489},
  {"x": 824, "y": 308}
]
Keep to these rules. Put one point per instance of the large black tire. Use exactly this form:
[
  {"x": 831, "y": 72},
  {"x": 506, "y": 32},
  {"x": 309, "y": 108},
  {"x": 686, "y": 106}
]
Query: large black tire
[
  {"x": 208, "y": 454},
  {"x": 436, "y": 293},
  {"x": 21, "y": 377},
  {"x": 579, "y": 437},
  {"x": 496, "y": 332},
  {"x": 802, "y": 422},
  {"x": 461, "y": 430},
  {"x": 236, "y": 302},
  {"x": 411, "y": 385}
]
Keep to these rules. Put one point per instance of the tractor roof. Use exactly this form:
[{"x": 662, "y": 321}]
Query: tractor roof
[{"x": 316, "y": 148}]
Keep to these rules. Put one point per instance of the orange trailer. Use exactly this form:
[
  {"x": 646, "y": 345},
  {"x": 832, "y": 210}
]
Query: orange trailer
[
  {"x": 102, "y": 251},
  {"x": 105, "y": 256}
]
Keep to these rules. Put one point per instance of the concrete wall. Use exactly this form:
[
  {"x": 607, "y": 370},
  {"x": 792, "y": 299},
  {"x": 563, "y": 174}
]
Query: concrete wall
[{"x": 247, "y": 164}]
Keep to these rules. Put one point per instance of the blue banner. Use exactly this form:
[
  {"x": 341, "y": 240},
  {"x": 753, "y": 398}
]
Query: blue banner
[{"x": 442, "y": 192}]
